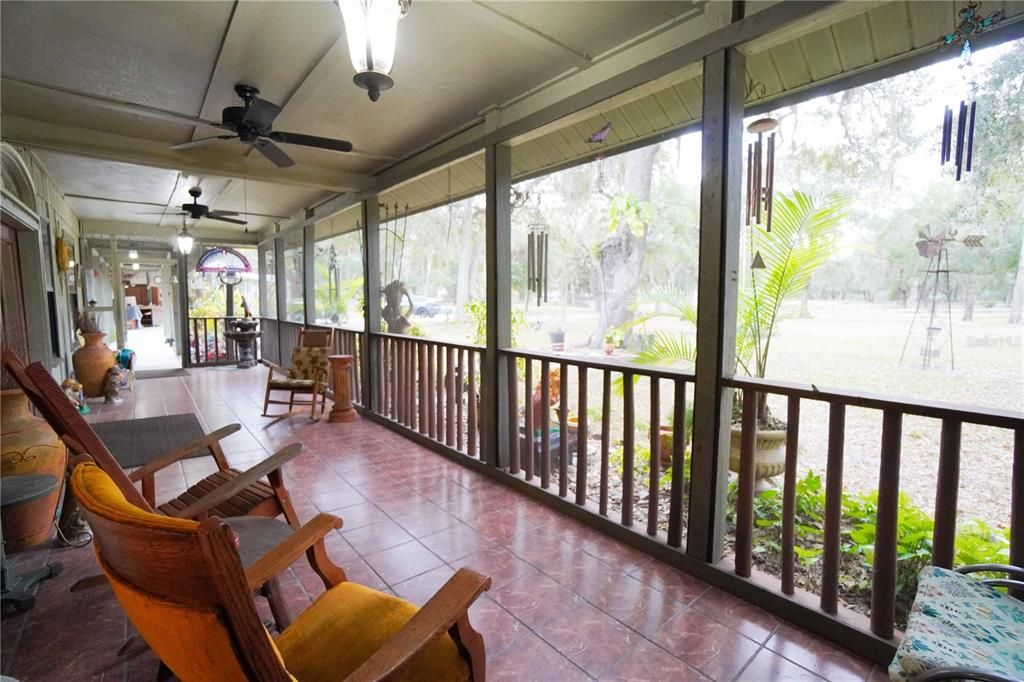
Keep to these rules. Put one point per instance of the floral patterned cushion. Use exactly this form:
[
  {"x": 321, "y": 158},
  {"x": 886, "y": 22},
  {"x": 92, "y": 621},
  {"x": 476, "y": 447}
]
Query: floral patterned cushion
[
  {"x": 308, "y": 362},
  {"x": 291, "y": 384},
  {"x": 957, "y": 621}
]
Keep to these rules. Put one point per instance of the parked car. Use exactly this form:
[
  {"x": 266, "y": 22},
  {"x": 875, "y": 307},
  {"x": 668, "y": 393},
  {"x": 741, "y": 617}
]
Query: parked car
[{"x": 426, "y": 307}]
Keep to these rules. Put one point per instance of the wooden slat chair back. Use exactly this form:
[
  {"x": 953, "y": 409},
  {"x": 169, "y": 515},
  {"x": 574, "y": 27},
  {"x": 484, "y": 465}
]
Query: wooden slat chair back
[
  {"x": 53, "y": 405},
  {"x": 181, "y": 584},
  {"x": 320, "y": 338},
  {"x": 183, "y": 587}
]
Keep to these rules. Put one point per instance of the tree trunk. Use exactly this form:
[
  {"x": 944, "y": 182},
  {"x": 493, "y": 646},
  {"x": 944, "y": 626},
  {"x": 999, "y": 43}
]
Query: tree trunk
[
  {"x": 1017, "y": 297},
  {"x": 621, "y": 255},
  {"x": 805, "y": 299},
  {"x": 467, "y": 258},
  {"x": 970, "y": 293}
]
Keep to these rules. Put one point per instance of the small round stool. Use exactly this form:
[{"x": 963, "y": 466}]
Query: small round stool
[{"x": 14, "y": 589}]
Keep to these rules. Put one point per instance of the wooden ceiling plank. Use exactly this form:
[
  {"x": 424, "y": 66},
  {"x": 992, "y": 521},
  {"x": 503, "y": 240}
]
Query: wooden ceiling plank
[
  {"x": 788, "y": 60},
  {"x": 853, "y": 38},
  {"x": 820, "y": 54},
  {"x": 890, "y": 27}
]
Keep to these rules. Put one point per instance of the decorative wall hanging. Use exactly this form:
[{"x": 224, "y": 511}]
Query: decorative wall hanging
[
  {"x": 971, "y": 25},
  {"x": 64, "y": 255},
  {"x": 226, "y": 262},
  {"x": 537, "y": 261},
  {"x": 761, "y": 172}
]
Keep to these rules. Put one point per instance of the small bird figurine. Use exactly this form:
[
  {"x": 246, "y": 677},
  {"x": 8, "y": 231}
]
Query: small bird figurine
[{"x": 601, "y": 134}]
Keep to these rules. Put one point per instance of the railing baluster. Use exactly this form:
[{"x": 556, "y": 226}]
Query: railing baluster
[
  {"x": 654, "y": 485},
  {"x": 472, "y": 415},
  {"x": 421, "y": 357},
  {"x": 581, "y": 435},
  {"x": 513, "y": 416},
  {"x": 449, "y": 380},
  {"x": 206, "y": 340},
  {"x": 216, "y": 341},
  {"x": 194, "y": 344},
  {"x": 675, "y": 509},
  {"x": 883, "y": 576},
  {"x": 628, "y": 450},
  {"x": 946, "y": 489},
  {"x": 439, "y": 391},
  {"x": 833, "y": 507},
  {"x": 563, "y": 430},
  {"x": 789, "y": 493},
  {"x": 459, "y": 399},
  {"x": 392, "y": 358},
  {"x": 745, "y": 488},
  {"x": 411, "y": 356},
  {"x": 606, "y": 438},
  {"x": 1017, "y": 505},
  {"x": 431, "y": 393},
  {"x": 545, "y": 424},
  {"x": 401, "y": 393},
  {"x": 530, "y": 454}
]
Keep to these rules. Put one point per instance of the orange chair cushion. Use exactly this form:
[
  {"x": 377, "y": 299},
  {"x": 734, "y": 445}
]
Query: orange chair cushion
[
  {"x": 98, "y": 493},
  {"x": 347, "y": 624}
]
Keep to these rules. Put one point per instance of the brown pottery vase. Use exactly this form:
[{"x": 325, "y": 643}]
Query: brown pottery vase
[
  {"x": 29, "y": 446},
  {"x": 91, "y": 363}
]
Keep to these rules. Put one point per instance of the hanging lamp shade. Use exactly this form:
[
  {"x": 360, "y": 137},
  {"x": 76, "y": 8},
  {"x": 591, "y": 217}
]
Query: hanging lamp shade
[
  {"x": 185, "y": 241},
  {"x": 371, "y": 27}
]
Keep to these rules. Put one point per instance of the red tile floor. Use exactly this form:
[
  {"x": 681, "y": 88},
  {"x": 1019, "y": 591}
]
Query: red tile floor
[{"x": 567, "y": 603}]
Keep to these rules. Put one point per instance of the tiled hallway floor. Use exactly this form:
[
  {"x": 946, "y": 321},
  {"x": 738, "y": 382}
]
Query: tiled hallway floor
[{"x": 567, "y": 603}]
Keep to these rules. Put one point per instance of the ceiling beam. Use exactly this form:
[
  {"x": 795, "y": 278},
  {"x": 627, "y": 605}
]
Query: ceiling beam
[
  {"x": 91, "y": 229},
  {"x": 103, "y": 145},
  {"x": 13, "y": 85}
]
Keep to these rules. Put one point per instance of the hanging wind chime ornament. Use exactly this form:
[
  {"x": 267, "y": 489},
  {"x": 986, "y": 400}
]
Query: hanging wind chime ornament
[
  {"x": 537, "y": 261},
  {"x": 971, "y": 25},
  {"x": 761, "y": 172}
]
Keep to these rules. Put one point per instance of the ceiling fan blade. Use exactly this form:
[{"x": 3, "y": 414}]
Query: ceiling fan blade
[
  {"x": 225, "y": 220},
  {"x": 260, "y": 114},
  {"x": 219, "y": 212},
  {"x": 274, "y": 153},
  {"x": 311, "y": 141},
  {"x": 201, "y": 141}
]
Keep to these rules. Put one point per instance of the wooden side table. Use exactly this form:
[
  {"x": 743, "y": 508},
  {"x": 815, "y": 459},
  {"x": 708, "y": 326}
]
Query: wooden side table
[{"x": 341, "y": 368}]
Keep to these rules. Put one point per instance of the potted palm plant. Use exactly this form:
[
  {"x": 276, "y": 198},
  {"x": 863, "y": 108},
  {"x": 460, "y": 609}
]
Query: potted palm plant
[{"x": 804, "y": 235}]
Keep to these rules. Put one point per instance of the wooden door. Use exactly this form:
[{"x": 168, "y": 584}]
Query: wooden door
[{"x": 12, "y": 300}]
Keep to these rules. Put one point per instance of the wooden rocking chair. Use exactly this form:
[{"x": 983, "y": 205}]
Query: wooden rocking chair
[
  {"x": 182, "y": 585},
  {"x": 249, "y": 504},
  {"x": 308, "y": 374}
]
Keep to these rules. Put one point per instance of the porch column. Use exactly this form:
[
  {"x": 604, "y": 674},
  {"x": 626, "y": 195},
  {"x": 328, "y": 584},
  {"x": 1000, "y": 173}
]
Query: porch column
[
  {"x": 279, "y": 281},
  {"x": 308, "y": 274},
  {"x": 371, "y": 304},
  {"x": 184, "y": 347},
  {"x": 117, "y": 289},
  {"x": 720, "y": 198},
  {"x": 494, "y": 384}
]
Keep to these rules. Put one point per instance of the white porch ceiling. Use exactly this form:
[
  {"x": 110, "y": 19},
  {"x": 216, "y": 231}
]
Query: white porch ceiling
[{"x": 101, "y": 88}]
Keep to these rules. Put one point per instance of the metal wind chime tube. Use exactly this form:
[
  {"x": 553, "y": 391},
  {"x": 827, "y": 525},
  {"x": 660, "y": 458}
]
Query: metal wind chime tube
[
  {"x": 537, "y": 261},
  {"x": 761, "y": 173}
]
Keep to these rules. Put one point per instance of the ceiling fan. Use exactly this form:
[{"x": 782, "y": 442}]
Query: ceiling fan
[
  {"x": 196, "y": 211},
  {"x": 252, "y": 123}
]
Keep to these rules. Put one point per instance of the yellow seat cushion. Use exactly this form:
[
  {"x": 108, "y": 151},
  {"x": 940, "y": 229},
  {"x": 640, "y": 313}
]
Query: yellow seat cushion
[
  {"x": 347, "y": 624},
  {"x": 100, "y": 495}
]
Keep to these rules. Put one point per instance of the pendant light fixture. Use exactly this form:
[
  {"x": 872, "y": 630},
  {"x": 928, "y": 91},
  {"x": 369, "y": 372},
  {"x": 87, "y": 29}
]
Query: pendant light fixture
[
  {"x": 185, "y": 241},
  {"x": 371, "y": 27}
]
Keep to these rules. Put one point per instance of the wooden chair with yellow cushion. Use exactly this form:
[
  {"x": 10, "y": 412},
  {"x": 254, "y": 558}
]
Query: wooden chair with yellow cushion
[
  {"x": 183, "y": 587},
  {"x": 308, "y": 375}
]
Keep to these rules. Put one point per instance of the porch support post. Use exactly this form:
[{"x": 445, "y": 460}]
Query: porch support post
[
  {"x": 117, "y": 289},
  {"x": 720, "y": 198},
  {"x": 494, "y": 378},
  {"x": 184, "y": 347},
  {"x": 308, "y": 275},
  {"x": 371, "y": 304},
  {"x": 279, "y": 282}
]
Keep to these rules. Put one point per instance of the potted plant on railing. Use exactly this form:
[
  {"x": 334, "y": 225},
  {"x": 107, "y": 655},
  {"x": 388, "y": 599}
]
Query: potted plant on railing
[{"x": 781, "y": 262}]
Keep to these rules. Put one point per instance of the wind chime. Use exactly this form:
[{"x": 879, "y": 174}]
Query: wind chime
[
  {"x": 971, "y": 24},
  {"x": 761, "y": 173},
  {"x": 537, "y": 261}
]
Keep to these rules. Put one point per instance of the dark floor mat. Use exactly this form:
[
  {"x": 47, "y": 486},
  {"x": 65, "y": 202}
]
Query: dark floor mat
[{"x": 135, "y": 442}]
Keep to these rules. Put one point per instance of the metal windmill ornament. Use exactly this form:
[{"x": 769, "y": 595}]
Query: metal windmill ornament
[
  {"x": 761, "y": 172},
  {"x": 972, "y": 23}
]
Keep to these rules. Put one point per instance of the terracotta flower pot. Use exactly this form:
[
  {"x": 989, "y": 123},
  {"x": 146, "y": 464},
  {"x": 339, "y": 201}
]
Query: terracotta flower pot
[
  {"x": 769, "y": 452},
  {"x": 29, "y": 446},
  {"x": 91, "y": 363}
]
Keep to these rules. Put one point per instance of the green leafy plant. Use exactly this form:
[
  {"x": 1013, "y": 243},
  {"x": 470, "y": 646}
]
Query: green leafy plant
[{"x": 477, "y": 311}]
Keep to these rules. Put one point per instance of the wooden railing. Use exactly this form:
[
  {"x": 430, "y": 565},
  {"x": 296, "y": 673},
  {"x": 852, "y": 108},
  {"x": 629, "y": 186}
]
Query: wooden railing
[
  {"x": 431, "y": 387},
  {"x": 594, "y": 381},
  {"x": 883, "y": 580},
  {"x": 207, "y": 344}
]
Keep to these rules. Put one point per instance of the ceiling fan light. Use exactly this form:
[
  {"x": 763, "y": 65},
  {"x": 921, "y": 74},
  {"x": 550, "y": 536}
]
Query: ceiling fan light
[
  {"x": 185, "y": 241},
  {"x": 371, "y": 27}
]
